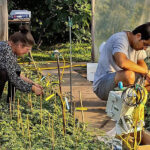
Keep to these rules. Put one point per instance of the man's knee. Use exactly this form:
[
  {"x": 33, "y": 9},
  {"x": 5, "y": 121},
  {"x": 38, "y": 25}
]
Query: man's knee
[{"x": 129, "y": 77}]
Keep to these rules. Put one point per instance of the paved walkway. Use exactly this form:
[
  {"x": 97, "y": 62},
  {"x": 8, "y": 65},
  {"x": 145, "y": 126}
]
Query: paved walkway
[{"x": 95, "y": 116}]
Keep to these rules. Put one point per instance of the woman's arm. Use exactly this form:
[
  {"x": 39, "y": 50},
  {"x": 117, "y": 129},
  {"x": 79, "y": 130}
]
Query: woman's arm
[{"x": 26, "y": 79}]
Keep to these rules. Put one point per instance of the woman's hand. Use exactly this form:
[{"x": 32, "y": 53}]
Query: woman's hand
[
  {"x": 37, "y": 90},
  {"x": 37, "y": 85}
]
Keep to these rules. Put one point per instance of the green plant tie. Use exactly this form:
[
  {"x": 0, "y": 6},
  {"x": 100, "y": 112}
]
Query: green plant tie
[
  {"x": 70, "y": 22},
  {"x": 53, "y": 55},
  {"x": 137, "y": 86}
]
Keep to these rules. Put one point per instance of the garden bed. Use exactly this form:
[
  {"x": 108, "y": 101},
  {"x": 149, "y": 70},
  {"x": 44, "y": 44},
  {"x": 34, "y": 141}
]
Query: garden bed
[{"x": 31, "y": 122}]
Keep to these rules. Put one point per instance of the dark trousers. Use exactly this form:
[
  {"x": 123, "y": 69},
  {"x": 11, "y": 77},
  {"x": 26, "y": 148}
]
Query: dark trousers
[{"x": 11, "y": 88}]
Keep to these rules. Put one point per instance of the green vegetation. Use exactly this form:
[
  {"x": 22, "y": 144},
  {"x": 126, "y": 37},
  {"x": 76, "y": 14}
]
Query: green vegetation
[
  {"x": 80, "y": 53},
  {"x": 49, "y": 23},
  {"x": 117, "y": 15},
  {"x": 36, "y": 123}
]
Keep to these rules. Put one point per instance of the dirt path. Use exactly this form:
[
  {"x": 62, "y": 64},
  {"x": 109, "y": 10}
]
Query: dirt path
[{"x": 95, "y": 115}]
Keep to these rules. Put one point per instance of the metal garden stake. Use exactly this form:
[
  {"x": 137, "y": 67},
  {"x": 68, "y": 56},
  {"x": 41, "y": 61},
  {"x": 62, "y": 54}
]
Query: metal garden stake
[{"x": 70, "y": 25}]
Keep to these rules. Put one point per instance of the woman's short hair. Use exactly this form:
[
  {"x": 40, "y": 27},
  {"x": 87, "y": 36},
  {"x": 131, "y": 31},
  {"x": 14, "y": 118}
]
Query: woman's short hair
[
  {"x": 23, "y": 35},
  {"x": 144, "y": 29}
]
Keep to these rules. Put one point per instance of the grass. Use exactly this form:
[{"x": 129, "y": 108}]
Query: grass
[{"x": 81, "y": 52}]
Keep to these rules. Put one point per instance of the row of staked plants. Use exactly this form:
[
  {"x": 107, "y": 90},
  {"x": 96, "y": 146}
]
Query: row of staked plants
[
  {"x": 81, "y": 52},
  {"x": 32, "y": 122}
]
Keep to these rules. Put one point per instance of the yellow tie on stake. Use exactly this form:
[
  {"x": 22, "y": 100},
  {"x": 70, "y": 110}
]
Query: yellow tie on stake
[
  {"x": 47, "y": 84},
  {"x": 49, "y": 97},
  {"x": 81, "y": 108}
]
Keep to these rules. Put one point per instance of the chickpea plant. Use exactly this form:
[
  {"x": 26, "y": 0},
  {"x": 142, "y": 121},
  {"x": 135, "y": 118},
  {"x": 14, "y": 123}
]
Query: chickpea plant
[{"x": 36, "y": 123}]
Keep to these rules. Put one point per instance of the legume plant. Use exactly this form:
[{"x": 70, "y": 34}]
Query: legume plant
[{"x": 32, "y": 122}]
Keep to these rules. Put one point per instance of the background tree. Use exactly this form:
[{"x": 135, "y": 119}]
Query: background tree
[
  {"x": 117, "y": 15},
  {"x": 50, "y": 19}
]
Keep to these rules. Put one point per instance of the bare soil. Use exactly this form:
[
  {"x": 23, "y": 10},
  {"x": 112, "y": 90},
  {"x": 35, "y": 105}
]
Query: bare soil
[{"x": 95, "y": 115}]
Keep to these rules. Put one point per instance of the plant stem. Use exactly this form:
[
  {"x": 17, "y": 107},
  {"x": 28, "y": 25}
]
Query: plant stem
[
  {"x": 81, "y": 107},
  {"x": 28, "y": 127},
  {"x": 41, "y": 109},
  {"x": 53, "y": 137},
  {"x": 62, "y": 102},
  {"x": 49, "y": 127},
  {"x": 10, "y": 109},
  {"x": 82, "y": 110},
  {"x": 37, "y": 69},
  {"x": 14, "y": 101},
  {"x": 74, "y": 120},
  {"x": 22, "y": 125},
  {"x": 18, "y": 111},
  {"x": 30, "y": 100}
]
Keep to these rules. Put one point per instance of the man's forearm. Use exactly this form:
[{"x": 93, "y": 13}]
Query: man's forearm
[
  {"x": 123, "y": 62},
  {"x": 142, "y": 64},
  {"x": 129, "y": 65}
]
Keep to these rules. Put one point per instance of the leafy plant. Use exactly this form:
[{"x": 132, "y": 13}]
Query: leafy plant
[
  {"x": 49, "y": 20},
  {"x": 81, "y": 52},
  {"x": 31, "y": 122}
]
